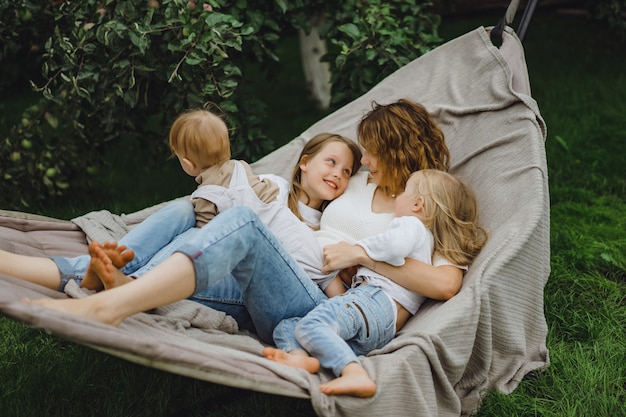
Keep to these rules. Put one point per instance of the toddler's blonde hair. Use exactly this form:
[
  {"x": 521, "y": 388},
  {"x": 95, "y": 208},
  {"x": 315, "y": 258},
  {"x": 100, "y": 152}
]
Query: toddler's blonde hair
[
  {"x": 200, "y": 136},
  {"x": 451, "y": 214}
]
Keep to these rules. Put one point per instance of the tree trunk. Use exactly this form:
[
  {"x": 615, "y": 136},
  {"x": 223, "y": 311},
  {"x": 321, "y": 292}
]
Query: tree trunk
[{"x": 316, "y": 73}]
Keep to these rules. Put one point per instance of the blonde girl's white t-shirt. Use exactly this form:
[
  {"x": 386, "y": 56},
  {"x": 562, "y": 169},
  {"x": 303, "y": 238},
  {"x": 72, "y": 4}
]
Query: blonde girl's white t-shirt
[
  {"x": 406, "y": 237},
  {"x": 310, "y": 215}
]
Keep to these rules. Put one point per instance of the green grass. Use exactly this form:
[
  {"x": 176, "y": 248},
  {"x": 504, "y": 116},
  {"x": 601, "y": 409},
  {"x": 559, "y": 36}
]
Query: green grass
[{"x": 577, "y": 77}]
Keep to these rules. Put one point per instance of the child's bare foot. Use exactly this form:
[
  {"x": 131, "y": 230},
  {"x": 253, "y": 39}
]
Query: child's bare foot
[
  {"x": 91, "y": 280},
  {"x": 295, "y": 358},
  {"x": 104, "y": 272},
  {"x": 120, "y": 255},
  {"x": 354, "y": 380}
]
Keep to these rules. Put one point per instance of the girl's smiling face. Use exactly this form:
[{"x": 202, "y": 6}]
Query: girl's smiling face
[{"x": 325, "y": 176}]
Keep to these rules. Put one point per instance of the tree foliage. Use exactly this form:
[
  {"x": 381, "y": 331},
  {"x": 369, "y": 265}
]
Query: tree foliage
[
  {"x": 373, "y": 40},
  {"x": 116, "y": 70}
]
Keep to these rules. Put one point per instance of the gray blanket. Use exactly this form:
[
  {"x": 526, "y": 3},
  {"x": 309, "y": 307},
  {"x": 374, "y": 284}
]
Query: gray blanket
[{"x": 442, "y": 362}]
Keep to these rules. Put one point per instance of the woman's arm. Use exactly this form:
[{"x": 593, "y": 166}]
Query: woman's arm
[{"x": 437, "y": 282}]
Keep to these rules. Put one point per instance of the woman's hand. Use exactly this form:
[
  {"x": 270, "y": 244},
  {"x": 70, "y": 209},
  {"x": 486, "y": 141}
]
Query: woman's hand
[{"x": 342, "y": 255}]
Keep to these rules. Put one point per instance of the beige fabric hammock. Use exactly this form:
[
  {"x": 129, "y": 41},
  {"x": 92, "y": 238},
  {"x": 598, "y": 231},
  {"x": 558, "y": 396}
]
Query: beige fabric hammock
[{"x": 490, "y": 335}]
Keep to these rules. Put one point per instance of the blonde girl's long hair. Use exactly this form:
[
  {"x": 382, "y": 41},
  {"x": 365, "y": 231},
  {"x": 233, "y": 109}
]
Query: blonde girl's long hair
[
  {"x": 312, "y": 148},
  {"x": 404, "y": 138},
  {"x": 451, "y": 214}
]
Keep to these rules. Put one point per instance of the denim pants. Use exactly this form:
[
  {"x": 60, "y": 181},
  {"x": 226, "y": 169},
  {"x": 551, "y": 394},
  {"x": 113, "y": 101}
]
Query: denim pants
[
  {"x": 342, "y": 327},
  {"x": 236, "y": 245},
  {"x": 237, "y": 250},
  {"x": 148, "y": 239}
]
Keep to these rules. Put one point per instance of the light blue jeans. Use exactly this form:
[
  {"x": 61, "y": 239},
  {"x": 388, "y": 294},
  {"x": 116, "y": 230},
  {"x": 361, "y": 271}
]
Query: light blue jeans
[
  {"x": 149, "y": 240},
  {"x": 241, "y": 268},
  {"x": 154, "y": 240},
  {"x": 342, "y": 327},
  {"x": 237, "y": 245}
]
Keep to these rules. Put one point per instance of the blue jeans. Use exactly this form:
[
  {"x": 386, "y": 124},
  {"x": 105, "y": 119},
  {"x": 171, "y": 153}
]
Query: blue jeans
[
  {"x": 237, "y": 246},
  {"x": 342, "y": 327},
  {"x": 147, "y": 239},
  {"x": 172, "y": 227},
  {"x": 153, "y": 241},
  {"x": 224, "y": 295}
]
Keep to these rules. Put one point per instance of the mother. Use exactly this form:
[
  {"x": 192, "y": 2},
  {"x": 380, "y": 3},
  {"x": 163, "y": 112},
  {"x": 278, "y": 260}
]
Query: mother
[{"x": 398, "y": 139}]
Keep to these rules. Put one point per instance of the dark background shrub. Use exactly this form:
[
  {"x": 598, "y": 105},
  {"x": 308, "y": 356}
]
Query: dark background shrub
[{"x": 110, "y": 73}]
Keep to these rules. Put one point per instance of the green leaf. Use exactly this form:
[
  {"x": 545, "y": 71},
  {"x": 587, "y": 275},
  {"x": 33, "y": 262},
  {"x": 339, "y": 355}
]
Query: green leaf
[
  {"x": 340, "y": 60},
  {"x": 351, "y": 30},
  {"x": 214, "y": 19},
  {"x": 283, "y": 5},
  {"x": 190, "y": 60}
]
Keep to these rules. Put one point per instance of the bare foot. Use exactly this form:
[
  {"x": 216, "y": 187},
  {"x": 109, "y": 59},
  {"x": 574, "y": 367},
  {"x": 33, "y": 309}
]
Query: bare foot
[
  {"x": 120, "y": 255},
  {"x": 91, "y": 280},
  {"x": 106, "y": 273},
  {"x": 354, "y": 380},
  {"x": 295, "y": 358}
]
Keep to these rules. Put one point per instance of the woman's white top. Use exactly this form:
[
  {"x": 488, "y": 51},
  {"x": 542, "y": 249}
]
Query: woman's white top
[{"x": 350, "y": 217}]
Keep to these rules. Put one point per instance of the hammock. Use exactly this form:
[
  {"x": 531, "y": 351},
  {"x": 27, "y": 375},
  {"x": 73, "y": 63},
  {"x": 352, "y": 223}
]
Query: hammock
[{"x": 489, "y": 336}]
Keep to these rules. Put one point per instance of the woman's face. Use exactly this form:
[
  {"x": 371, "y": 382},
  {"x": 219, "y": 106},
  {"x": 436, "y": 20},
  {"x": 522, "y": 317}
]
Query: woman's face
[
  {"x": 371, "y": 161},
  {"x": 325, "y": 176}
]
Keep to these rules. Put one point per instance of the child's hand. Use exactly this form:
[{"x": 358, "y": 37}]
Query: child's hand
[{"x": 347, "y": 274}]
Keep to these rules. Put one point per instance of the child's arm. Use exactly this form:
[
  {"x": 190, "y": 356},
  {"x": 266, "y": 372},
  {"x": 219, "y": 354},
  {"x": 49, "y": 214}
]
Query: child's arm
[
  {"x": 205, "y": 211},
  {"x": 405, "y": 236},
  {"x": 392, "y": 245},
  {"x": 335, "y": 287}
]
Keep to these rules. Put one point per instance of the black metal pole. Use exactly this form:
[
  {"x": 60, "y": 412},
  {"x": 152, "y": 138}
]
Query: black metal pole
[{"x": 528, "y": 14}]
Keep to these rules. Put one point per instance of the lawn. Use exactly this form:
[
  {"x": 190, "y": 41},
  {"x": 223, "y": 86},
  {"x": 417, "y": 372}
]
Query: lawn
[{"x": 578, "y": 78}]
